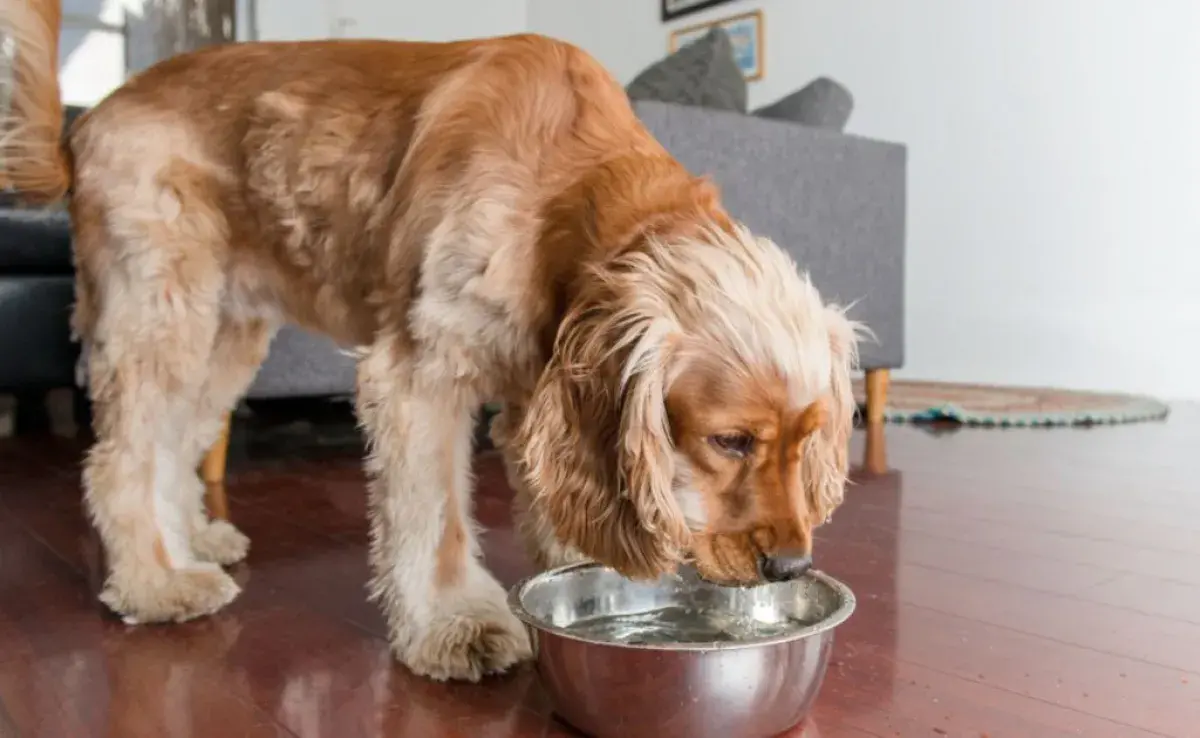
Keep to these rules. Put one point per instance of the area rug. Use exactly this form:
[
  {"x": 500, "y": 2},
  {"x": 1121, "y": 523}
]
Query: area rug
[{"x": 923, "y": 402}]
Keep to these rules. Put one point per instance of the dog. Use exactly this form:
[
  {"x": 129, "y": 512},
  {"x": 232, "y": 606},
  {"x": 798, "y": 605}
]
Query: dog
[{"x": 478, "y": 221}]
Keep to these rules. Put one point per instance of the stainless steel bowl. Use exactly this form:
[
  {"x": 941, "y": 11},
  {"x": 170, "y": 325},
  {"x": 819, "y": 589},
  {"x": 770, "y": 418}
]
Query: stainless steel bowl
[{"x": 623, "y": 683}]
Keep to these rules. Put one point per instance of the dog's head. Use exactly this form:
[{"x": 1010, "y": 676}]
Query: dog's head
[{"x": 697, "y": 406}]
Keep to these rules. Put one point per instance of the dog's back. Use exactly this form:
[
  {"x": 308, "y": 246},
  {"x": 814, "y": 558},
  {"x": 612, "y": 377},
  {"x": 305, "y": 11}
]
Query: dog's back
[
  {"x": 287, "y": 157},
  {"x": 314, "y": 174}
]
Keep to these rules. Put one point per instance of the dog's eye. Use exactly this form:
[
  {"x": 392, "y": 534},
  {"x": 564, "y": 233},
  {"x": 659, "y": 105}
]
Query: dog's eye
[{"x": 733, "y": 444}]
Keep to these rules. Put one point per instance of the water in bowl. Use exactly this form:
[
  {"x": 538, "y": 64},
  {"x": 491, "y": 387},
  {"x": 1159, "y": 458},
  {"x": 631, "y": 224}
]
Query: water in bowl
[{"x": 680, "y": 625}]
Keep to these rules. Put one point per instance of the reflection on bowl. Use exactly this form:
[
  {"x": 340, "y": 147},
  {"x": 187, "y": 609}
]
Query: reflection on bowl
[{"x": 680, "y": 656}]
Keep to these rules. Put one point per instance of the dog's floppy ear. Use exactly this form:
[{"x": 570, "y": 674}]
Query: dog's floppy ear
[
  {"x": 826, "y": 457},
  {"x": 594, "y": 441}
]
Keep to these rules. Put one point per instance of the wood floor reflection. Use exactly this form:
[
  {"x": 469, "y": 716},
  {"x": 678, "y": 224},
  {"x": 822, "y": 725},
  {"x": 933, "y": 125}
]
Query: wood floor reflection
[{"x": 1026, "y": 583}]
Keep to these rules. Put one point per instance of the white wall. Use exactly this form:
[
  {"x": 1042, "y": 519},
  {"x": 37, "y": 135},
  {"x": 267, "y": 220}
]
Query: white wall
[
  {"x": 1054, "y": 168},
  {"x": 417, "y": 20},
  {"x": 289, "y": 20}
]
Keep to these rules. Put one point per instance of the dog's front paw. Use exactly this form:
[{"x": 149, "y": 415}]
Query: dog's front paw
[
  {"x": 219, "y": 542},
  {"x": 157, "y": 595},
  {"x": 469, "y": 644}
]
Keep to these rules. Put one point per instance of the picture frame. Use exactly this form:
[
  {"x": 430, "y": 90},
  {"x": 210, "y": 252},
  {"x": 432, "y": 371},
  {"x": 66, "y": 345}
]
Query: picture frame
[
  {"x": 673, "y": 9},
  {"x": 745, "y": 31}
]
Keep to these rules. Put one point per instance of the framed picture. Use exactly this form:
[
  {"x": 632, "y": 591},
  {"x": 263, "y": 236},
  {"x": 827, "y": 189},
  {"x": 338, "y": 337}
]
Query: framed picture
[
  {"x": 746, "y": 33},
  {"x": 672, "y": 9}
]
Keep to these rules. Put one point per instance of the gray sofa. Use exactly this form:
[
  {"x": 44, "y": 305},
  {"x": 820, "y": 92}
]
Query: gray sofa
[{"x": 835, "y": 201}]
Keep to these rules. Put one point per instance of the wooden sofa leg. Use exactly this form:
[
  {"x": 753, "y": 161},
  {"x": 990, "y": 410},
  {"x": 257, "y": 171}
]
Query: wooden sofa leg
[
  {"x": 875, "y": 451},
  {"x": 877, "y": 389},
  {"x": 212, "y": 471}
]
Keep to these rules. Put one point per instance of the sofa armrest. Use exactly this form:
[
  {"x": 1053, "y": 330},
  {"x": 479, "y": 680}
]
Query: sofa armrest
[{"x": 835, "y": 202}]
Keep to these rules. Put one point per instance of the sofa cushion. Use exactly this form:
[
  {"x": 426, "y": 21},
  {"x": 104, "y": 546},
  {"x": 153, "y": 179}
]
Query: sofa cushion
[
  {"x": 822, "y": 103},
  {"x": 35, "y": 241},
  {"x": 703, "y": 73}
]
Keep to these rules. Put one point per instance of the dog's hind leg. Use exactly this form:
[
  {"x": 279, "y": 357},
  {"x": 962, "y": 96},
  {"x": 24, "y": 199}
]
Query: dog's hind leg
[
  {"x": 239, "y": 349},
  {"x": 153, "y": 266},
  {"x": 447, "y": 615}
]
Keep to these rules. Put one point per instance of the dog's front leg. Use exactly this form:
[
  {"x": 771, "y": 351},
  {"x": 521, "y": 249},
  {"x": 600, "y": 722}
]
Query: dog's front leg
[{"x": 447, "y": 615}]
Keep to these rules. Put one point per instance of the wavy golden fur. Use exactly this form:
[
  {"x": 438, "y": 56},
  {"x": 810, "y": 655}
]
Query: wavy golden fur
[
  {"x": 478, "y": 220},
  {"x": 34, "y": 162}
]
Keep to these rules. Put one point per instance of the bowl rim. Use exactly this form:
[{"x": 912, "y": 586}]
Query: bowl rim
[{"x": 840, "y": 614}]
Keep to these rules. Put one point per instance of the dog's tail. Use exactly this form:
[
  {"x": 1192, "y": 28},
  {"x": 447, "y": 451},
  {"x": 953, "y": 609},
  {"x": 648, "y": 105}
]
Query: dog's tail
[{"x": 34, "y": 159}]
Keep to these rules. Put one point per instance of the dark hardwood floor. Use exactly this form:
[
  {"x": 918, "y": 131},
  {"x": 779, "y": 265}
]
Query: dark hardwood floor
[{"x": 1024, "y": 583}]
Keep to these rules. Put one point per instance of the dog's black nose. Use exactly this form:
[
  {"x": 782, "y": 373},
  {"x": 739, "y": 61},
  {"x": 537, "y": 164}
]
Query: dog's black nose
[{"x": 784, "y": 568}]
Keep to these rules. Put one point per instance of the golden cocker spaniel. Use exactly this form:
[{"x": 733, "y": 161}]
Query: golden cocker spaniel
[{"x": 479, "y": 220}]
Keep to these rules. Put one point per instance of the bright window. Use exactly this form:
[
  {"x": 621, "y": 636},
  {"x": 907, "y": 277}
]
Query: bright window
[{"x": 91, "y": 54}]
